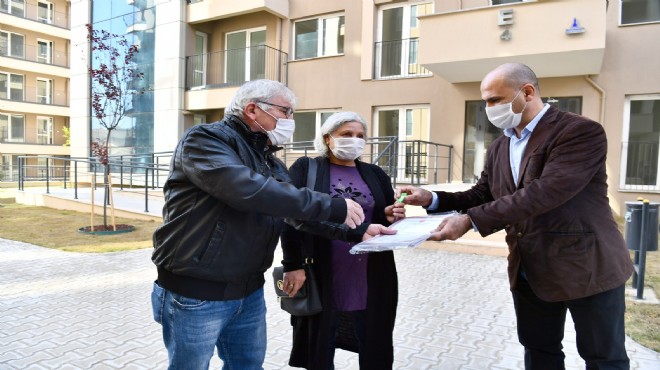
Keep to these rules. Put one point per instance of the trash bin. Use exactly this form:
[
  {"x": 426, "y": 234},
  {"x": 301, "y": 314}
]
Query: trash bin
[{"x": 633, "y": 226}]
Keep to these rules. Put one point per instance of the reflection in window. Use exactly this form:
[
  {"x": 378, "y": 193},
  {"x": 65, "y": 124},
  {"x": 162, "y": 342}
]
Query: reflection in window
[
  {"x": 641, "y": 149},
  {"x": 640, "y": 11},
  {"x": 12, "y": 44},
  {"x": 11, "y": 86},
  {"x": 13, "y": 7},
  {"x": 319, "y": 37},
  {"x": 12, "y": 128}
]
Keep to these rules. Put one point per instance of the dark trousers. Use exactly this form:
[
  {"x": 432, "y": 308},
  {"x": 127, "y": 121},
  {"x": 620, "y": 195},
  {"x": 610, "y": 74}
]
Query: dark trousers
[
  {"x": 599, "y": 329},
  {"x": 359, "y": 326}
]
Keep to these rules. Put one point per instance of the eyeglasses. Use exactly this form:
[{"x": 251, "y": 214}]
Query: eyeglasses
[{"x": 288, "y": 111}]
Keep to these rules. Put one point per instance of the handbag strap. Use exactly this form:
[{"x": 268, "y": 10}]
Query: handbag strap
[
  {"x": 311, "y": 182},
  {"x": 311, "y": 174}
]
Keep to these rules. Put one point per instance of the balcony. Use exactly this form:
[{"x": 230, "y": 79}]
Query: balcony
[
  {"x": 36, "y": 59},
  {"x": 28, "y": 101},
  {"x": 37, "y": 19},
  {"x": 210, "y": 77},
  {"x": 210, "y": 10},
  {"x": 464, "y": 45},
  {"x": 398, "y": 59}
]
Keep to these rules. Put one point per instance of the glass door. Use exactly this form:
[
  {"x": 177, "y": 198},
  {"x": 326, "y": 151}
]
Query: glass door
[
  {"x": 410, "y": 125},
  {"x": 199, "y": 60},
  {"x": 44, "y": 51},
  {"x": 45, "y": 12},
  {"x": 44, "y": 130},
  {"x": 245, "y": 56},
  {"x": 44, "y": 91},
  {"x": 398, "y": 44}
]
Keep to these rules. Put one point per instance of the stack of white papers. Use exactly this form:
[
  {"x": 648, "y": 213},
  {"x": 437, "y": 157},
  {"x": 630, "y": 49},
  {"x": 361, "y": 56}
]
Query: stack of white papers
[{"x": 411, "y": 231}]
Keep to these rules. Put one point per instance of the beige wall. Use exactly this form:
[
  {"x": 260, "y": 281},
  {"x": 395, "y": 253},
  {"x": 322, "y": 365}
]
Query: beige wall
[{"x": 338, "y": 82}]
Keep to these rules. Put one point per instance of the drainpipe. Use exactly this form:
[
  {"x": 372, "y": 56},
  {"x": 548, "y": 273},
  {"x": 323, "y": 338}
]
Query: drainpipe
[{"x": 603, "y": 94}]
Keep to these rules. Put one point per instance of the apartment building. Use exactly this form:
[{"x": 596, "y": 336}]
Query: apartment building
[
  {"x": 412, "y": 68},
  {"x": 34, "y": 86}
]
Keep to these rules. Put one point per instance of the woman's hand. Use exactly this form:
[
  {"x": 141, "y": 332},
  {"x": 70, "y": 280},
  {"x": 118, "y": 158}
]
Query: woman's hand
[
  {"x": 377, "y": 229},
  {"x": 292, "y": 281}
]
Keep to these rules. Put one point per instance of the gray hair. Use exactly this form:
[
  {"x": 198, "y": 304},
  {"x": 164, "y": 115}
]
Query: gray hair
[
  {"x": 259, "y": 90},
  {"x": 331, "y": 125}
]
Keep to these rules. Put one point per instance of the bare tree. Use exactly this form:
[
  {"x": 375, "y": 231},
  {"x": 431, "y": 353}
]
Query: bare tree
[{"x": 113, "y": 74}]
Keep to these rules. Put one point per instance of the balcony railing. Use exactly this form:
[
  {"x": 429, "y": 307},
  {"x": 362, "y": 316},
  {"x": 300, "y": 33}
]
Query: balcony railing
[
  {"x": 29, "y": 95},
  {"x": 229, "y": 68},
  {"x": 398, "y": 59},
  {"x": 38, "y": 14},
  {"x": 32, "y": 53},
  {"x": 412, "y": 162}
]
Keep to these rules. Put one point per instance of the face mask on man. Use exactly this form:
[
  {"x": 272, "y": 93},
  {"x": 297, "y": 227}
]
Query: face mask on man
[
  {"x": 502, "y": 115},
  {"x": 348, "y": 148},
  {"x": 282, "y": 132}
]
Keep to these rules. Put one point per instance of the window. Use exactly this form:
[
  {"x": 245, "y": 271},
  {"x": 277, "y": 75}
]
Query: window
[
  {"x": 11, "y": 86},
  {"x": 14, "y": 7},
  {"x": 12, "y": 44},
  {"x": 44, "y": 130},
  {"x": 319, "y": 37},
  {"x": 640, "y": 167},
  {"x": 500, "y": 2},
  {"x": 398, "y": 41},
  {"x": 44, "y": 91},
  {"x": 12, "y": 128},
  {"x": 45, "y": 12},
  {"x": 640, "y": 11},
  {"x": 44, "y": 51},
  {"x": 307, "y": 125},
  {"x": 199, "y": 119}
]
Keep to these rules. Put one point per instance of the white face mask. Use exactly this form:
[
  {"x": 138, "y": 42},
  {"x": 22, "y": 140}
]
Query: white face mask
[
  {"x": 282, "y": 132},
  {"x": 502, "y": 115},
  {"x": 348, "y": 148}
]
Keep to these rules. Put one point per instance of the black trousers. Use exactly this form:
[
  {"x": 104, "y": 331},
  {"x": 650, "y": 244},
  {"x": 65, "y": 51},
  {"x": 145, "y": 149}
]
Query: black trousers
[{"x": 599, "y": 329}]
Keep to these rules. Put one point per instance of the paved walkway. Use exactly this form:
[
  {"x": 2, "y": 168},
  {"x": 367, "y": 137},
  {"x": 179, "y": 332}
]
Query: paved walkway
[{"x": 62, "y": 310}]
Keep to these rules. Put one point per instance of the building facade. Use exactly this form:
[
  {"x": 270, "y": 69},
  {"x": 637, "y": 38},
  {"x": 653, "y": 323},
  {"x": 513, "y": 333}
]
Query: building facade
[
  {"x": 412, "y": 68},
  {"x": 35, "y": 58}
]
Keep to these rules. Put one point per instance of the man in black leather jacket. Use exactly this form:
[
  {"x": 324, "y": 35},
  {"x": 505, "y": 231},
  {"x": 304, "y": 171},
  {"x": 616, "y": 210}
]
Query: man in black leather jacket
[{"x": 225, "y": 200}]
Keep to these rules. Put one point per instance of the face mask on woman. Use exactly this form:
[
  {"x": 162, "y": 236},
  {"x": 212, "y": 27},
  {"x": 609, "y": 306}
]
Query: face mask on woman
[
  {"x": 348, "y": 148},
  {"x": 502, "y": 115}
]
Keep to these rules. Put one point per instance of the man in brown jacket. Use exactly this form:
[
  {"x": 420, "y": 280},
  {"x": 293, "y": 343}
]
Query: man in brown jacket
[{"x": 544, "y": 182}]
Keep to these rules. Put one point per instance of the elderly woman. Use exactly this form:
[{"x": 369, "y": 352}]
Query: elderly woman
[{"x": 359, "y": 292}]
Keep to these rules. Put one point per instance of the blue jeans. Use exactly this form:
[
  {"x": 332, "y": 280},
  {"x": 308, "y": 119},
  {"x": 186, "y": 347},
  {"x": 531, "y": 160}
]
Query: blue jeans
[{"x": 193, "y": 327}]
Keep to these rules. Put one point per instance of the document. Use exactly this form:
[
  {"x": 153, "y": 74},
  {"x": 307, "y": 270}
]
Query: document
[{"x": 411, "y": 231}]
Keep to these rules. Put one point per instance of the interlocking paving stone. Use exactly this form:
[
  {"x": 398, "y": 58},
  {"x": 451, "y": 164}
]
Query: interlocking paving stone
[{"x": 72, "y": 311}]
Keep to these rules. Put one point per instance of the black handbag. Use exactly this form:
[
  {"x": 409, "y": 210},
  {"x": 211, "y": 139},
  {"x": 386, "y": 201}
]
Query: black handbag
[{"x": 307, "y": 300}]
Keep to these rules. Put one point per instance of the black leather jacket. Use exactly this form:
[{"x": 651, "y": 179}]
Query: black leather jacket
[{"x": 225, "y": 199}]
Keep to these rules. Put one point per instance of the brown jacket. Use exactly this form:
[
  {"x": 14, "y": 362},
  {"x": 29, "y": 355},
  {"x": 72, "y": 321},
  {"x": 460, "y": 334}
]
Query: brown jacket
[{"x": 558, "y": 221}]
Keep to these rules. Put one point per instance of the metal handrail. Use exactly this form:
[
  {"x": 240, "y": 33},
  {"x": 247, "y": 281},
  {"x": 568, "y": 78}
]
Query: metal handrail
[
  {"x": 93, "y": 168},
  {"x": 405, "y": 161}
]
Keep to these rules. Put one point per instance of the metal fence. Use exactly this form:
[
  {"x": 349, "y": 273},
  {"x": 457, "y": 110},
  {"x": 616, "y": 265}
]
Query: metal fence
[
  {"x": 139, "y": 171},
  {"x": 412, "y": 162},
  {"x": 398, "y": 59}
]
